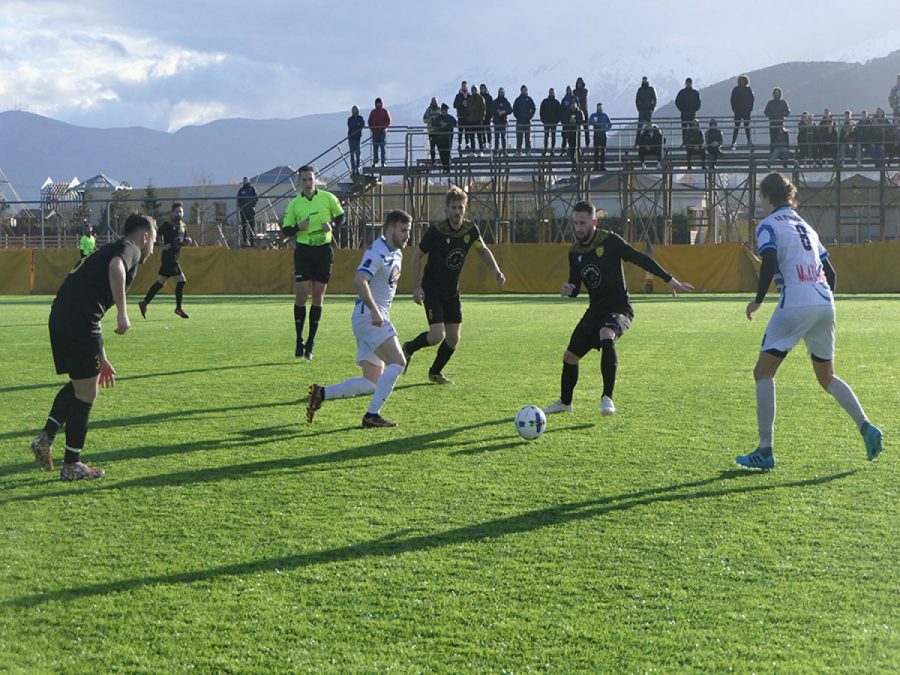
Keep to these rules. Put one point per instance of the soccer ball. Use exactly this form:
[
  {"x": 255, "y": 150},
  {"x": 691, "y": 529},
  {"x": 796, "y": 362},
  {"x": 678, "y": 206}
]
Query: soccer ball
[{"x": 530, "y": 422}]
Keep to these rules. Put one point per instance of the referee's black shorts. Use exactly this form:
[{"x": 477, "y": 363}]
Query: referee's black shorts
[
  {"x": 313, "y": 263},
  {"x": 586, "y": 335},
  {"x": 76, "y": 347}
]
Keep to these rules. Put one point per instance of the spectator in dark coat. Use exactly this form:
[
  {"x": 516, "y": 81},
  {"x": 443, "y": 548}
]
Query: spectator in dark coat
[
  {"x": 523, "y": 111},
  {"x": 825, "y": 139},
  {"x": 247, "y": 200},
  {"x": 645, "y": 102},
  {"x": 714, "y": 142},
  {"x": 484, "y": 133},
  {"x": 432, "y": 111},
  {"x": 443, "y": 126},
  {"x": 742, "y": 106},
  {"x": 693, "y": 143},
  {"x": 355, "y": 125},
  {"x": 880, "y": 133},
  {"x": 460, "y": 103},
  {"x": 550, "y": 115},
  {"x": 379, "y": 121},
  {"x": 688, "y": 103},
  {"x": 474, "y": 117},
  {"x": 780, "y": 147},
  {"x": 501, "y": 109},
  {"x": 572, "y": 120},
  {"x": 847, "y": 139},
  {"x": 564, "y": 104},
  {"x": 650, "y": 144},
  {"x": 581, "y": 93},
  {"x": 776, "y": 110}
]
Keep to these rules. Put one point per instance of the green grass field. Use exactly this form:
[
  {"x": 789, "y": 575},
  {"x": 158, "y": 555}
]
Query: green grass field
[{"x": 229, "y": 535}]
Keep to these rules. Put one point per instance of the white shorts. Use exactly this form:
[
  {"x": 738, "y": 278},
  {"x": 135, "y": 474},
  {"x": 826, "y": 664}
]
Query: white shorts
[
  {"x": 814, "y": 324},
  {"x": 369, "y": 337}
]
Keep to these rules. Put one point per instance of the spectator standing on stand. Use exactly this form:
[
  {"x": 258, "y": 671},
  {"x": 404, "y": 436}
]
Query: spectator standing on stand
[
  {"x": 894, "y": 98},
  {"x": 379, "y": 121},
  {"x": 355, "y": 125},
  {"x": 742, "y": 106},
  {"x": 572, "y": 120},
  {"x": 246, "y": 201},
  {"x": 550, "y": 116},
  {"x": 460, "y": 105},
  {"x": 501, "y": 109},
  {"x": 776, "y": 110},
  {"x": 523, "y": 111},
  {"x": 431, "y": 112},
  {"x": 688, "y": 103},
  {"x": 484, "y": 131},
  {"x": 645, "y": 102},
  {"x": 581, "y": 93},
  {"x": 443, "y": 131},
  {"x": 474, "y": 119},
  {"x": 601, "y": 123},
  {"x": 564, "y": 106}
]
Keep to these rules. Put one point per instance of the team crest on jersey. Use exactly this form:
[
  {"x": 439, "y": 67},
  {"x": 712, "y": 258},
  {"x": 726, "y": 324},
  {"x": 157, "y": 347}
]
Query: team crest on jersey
[
  {"x": 591, "y": 275},
  {"x": 466, "y": 239},
  {"x": 455, "y": 258}
]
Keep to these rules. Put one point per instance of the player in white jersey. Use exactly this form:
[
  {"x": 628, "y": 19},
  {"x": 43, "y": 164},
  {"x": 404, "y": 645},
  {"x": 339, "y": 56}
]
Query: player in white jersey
[
  {"x": 794, "y": 257},
  {"x": 379, "y": 352}
]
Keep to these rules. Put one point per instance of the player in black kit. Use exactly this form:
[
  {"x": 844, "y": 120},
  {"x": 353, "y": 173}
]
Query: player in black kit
[
  {"x": 446, "y": 245},
  {"x": 595, "y": 260},
  {"x": 174, "y": 236},
  {"x": 96, "y": 283}
]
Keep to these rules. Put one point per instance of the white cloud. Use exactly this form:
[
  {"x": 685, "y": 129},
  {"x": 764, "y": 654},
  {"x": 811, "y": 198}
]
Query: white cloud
[{"x": 187, "y": 113}]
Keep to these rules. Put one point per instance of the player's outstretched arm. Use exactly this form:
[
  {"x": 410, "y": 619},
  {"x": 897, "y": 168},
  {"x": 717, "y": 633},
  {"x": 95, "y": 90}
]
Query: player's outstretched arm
[
  {"x": 117, "y": 285},
  {"x": 766, "y": 274},
  {"x": 491, "y": 262},
  {"x": 418, "y": 294}
]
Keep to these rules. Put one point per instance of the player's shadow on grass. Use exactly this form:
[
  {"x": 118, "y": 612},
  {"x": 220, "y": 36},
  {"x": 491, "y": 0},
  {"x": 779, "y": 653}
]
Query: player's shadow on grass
[
  {"x": 398, "y": 543},
  {"x": 367, "y": 450},
  {"x": 143, "y": 376},
  {"x": 503, "y": 442}
]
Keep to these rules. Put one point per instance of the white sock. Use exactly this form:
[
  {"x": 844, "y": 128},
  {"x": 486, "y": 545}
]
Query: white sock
[
  {"x": 765, "y": 411},
  {"x": 844, "y": 395},
  {"x": 355, "y": 386},
  {"x": 384, "y": 387}
]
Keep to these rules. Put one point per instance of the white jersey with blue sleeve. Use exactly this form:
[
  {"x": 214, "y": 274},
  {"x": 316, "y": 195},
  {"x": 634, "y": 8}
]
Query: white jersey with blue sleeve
[
  {"x": 382, "y": 263},
  {"x": 800, "y": 277}
]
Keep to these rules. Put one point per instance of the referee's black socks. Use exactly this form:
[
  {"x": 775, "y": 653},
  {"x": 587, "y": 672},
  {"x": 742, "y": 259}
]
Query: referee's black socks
[
  {"x": 299, "y": 321},
  {"x": 315, "y": 313}
]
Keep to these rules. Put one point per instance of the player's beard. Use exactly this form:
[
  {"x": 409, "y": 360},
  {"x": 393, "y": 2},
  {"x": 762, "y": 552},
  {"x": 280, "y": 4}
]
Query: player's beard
[{"x": 455, "y": 221}]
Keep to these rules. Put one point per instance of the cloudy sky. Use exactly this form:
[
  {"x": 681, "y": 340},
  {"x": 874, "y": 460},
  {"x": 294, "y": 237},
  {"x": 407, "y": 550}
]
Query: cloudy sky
[{"x": 164, "y": 64}]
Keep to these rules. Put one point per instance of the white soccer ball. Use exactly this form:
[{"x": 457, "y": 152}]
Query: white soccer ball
[{"x": 530, "y": 422}]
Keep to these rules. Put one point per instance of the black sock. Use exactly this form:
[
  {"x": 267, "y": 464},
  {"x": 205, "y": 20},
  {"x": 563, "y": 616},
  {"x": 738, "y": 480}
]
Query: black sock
[
  {"x": 444, "y": 353},
  {"x": 154, "y": 289},
  {"x": 59, "y": 412},
  {"x": 417, "y": 343},
  {"x": 315, "y": 313},
  {"x": 76, "y": 428},
  {"x": 567, "y": 382},
  {"x": 179, "y": 293},
  {"x": 608, "y": 363},
  {"x": 299, "y": 320}
]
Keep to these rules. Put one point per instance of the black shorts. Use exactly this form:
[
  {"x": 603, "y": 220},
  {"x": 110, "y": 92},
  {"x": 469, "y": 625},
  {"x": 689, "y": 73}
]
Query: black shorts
[
  {"x": 169, "y": 267},
  {"x": 586, "y": 335},
  {"x": 313, "y": 263},
  {"x": 442, "y": 309},
  {"x": 76, "y": 349}
]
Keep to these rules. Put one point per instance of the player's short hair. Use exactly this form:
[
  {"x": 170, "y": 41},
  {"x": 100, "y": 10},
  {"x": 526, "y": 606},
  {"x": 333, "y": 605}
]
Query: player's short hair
[
  {"x": 305, "y": 168},
  {"x": 139, "y": 221},
  {"x": 456, "y": 194},
  {"x": 397, "y": 217},
  {"x": 585, "y": 206},
  {"x": 778, "y": 189},
  {"x": 175, "y": 205}
]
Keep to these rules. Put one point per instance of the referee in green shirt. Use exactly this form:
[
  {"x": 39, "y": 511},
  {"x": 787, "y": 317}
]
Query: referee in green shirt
[{"x": 309, "y": 221}]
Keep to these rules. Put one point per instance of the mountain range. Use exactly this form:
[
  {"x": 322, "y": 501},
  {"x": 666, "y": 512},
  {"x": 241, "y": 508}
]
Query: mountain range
[{"x": 33, "y": 148}]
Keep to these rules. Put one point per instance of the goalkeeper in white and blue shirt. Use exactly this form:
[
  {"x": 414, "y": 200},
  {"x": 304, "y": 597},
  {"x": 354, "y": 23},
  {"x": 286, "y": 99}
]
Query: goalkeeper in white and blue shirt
[
  {"x": 379, "y": 352},
  {"x": 794, "y": 257}
]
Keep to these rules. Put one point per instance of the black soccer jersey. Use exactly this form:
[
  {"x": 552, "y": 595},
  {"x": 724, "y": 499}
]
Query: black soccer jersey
[
  {"x": 85, "y": 294},
  {"x": 447, "y": 249},
  {"x": 598, "y": 265},
  {"x": 172, "y": 233}
]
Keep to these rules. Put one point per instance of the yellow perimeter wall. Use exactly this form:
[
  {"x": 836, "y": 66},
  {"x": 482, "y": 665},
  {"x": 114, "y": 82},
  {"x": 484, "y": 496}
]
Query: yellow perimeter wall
[{"x": 529, "y": 268}]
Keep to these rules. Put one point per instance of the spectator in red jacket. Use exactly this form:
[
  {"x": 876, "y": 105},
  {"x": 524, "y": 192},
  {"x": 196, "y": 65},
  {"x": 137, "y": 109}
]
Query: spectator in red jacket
[{"x": 379, "y": 121}]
